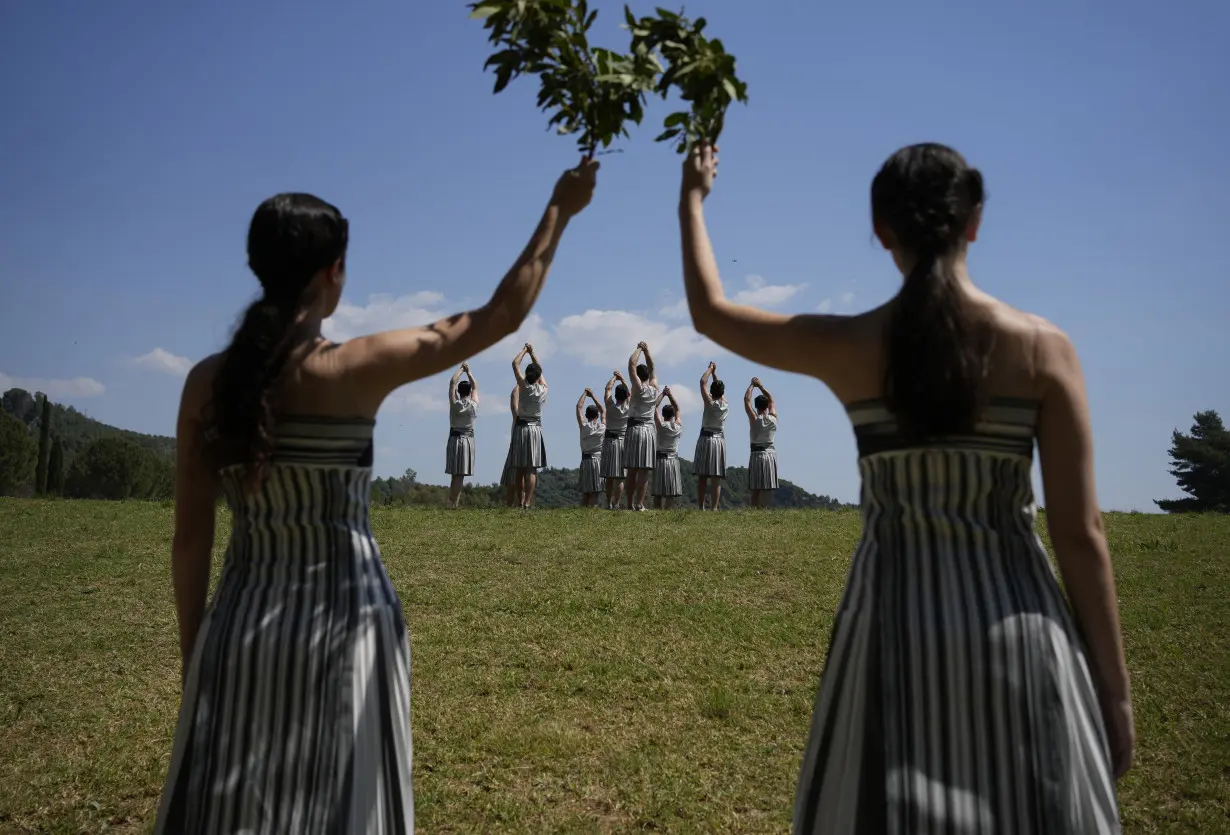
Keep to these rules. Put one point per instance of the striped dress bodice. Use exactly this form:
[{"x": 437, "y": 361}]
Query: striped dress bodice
[{"x": 956, "y": 696}]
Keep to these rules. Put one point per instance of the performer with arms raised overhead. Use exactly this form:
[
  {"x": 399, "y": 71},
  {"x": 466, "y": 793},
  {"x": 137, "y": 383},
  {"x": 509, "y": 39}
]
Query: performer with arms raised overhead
[
  {"x": 613, "y": 470},
  {"x": 590, "y": 421},
  {"x": 762, "y": 465},
  {"x": 961, "y": 693},
  {"x": 709, "y": 462},
  {"x": 640, "y": 444},
  {"x": 667, "y": 479},
  {"x": 529, "y": 450},
  {"x": 462, "y": 411}
]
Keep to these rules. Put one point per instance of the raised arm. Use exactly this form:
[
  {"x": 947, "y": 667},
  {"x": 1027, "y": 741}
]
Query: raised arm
[
  {"x": 1074, "y": 518},
  {"x": 609, "y": 394},
  {"x": 581, "y": 407},
  {"x": 473, "y": 382},
  {"x": 543, "y": 378},
  {"x": 657, "y": 406},
  {"x": 772, "y": 403},
  {"x": 517, "y": 372},
  {"x": 704, "y": 384},
  {"x": 382, "y": 362},
  {"x": 747, "y": 401},
  {"x": 817, "y": 345},
  {"x": 452, "y": 385},
  {"x": 636, "y": 355},
  {"x": 675, "y": 403},
  {"x": 653, "y": 376},
  {"x": 601, "y": 406}
]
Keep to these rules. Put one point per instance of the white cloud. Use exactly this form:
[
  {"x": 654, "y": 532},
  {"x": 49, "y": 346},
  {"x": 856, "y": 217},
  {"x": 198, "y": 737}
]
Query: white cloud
[
  {"x": 76, "y": 387},
  {"x": 424, "y": 397},
  {"x": 605, "y": 338},
  {"x": 825, "y": 306},
  {"x": 675, "y": 310},
  {"x": 847, "y": 299},
  {"x": 384, "y": 312},
  {"x": 688, "y": 398},
  {"x": 759, "y": 294},
  {"x": 162, "y": 360}
]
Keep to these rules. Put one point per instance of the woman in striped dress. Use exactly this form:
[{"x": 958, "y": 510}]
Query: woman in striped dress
[
  {"x": 508, "y": 476},
  {"x": 462, "y": 411},
  {"x": 762, "y": 465},
  {"x": 667, "y": 479},
  {"x": 641, "y": 440},
  {"x": 593, "y": 427},
  {"x": 295, "y": 715},
  {"x": 709, "y": 462},
  {"x": 529, "y": 449},
  {"x": 613, "y": 443},
  {"x": 961, "y": 692}
]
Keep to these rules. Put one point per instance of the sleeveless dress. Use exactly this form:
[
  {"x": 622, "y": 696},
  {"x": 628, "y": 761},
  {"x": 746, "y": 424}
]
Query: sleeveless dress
[
  {"x": 296, "y": 711},
  {"x": 459, "y": 452},
  {"x": 955, "y": 697}
]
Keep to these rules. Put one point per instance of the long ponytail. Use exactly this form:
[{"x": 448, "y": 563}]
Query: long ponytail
[
  {"x": 291, "y": 238},
  {"x": 925, "y": 196}
]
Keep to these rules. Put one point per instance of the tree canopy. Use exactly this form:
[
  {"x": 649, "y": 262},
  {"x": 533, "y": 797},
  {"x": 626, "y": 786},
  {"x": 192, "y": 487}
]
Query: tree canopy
[{"x": 1200, "y": 462}]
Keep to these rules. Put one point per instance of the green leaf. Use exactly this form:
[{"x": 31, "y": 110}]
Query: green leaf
[
  {"x": 668, "y": 134},
  {"x": 675, "y": 119},
  {"x": 731, "y": 90},
  {"x": 484, "y": 11}
]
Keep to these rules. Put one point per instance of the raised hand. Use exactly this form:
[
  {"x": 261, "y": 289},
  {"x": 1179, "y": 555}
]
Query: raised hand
[
  {"x": 642, "y": 345},
  {"x": 699, "y": 170},
  {"x": 465, "y": 366},
  {"x": 756, "y": 382},
  {"x": 575, "y": 187},
  {"x": 589, "y": 391}
]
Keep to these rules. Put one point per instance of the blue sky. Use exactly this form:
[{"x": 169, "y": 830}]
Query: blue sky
[{"x": 139, "y": 137}]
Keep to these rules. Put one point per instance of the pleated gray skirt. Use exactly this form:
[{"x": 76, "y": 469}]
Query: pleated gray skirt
[
  {"x": 591, "y": 474},
  {"x": 506, "y": 477},
  {"x": 710, "y": 457},
  {"x": 613, "y": 456},
  {"x": 529, "y": 451},
  {"x": 762, "y": 470},
  {"x": 667, "y": 479},
  {"x": 640, "y": 446},
  {"x": 459, "y": 456}
]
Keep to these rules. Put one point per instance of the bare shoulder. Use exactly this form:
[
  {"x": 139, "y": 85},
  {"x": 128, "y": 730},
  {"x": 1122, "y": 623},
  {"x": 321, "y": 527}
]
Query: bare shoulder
[{"x": 199, "y": 385}]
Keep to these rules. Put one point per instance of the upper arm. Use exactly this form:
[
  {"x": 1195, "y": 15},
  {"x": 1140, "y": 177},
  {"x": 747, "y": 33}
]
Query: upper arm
[
  {"x": 813, "y": 344},
  {"x": 1065, "y": 442},
  {"x": 384, "y": 361},
  {"x": 705, "y": 396},
  {"x": 196, "y": 479}
]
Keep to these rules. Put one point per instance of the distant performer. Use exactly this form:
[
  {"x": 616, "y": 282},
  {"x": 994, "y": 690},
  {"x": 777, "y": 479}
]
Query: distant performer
[
  {"x": 762, "y": 468},
  {"x": 667, "y": 479},
  {"x": 529, "y": 451},
  {"x": 462, "y": 411},
  {"x": 508, "y": 478},
  {"x": 641, "y": 441},
  {"x": 592, "y": 423},
  {"x": 709, "y": 462},
  {"x": 613, "y": 443}
]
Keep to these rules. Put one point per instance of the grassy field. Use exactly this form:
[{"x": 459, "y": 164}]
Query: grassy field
[{"x": 573, "y": 671}]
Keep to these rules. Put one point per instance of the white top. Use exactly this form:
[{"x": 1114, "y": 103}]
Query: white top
[
  {"x": 764, "y": 428},
  {"x": 591, "y": 436},
  {"x": 668, "y": 436},
  {"x": 714, "y": 417},
  {"x": 461, "y": 413},
  {"x": 532, "y": 400},
  {"x": 616, "y": 415},
  {"x": 644, "y": 402}
]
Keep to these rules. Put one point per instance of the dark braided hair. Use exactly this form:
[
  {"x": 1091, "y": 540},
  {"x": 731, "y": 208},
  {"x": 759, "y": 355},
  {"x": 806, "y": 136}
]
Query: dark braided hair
[
  {"x": 925, "y": 196},
  {"x": 291, "y": 238}
]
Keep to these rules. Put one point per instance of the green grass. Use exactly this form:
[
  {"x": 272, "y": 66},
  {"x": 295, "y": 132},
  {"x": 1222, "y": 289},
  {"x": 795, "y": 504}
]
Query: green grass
[{"x": 573, "y": 671}]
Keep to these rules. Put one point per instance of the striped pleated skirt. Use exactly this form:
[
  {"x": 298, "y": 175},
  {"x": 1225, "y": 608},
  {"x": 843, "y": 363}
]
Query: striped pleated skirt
[
  {"x": 529, "y": 451},
  {"x": 667, "y": 479},
  {"x": 710, "y": 457},
  {"x": 459, "y": 456},
  {"x": 613, "y": 455},
  {"x": 640, "y": 445},
  {"x": 509, "y": 472},
  {"x": 590, "y": 480},
  {"x": 762, "y": 469}
]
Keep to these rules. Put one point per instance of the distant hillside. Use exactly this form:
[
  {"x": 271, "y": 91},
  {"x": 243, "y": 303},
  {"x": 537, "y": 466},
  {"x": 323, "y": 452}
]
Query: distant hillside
[{"x": 75, "y": 430}]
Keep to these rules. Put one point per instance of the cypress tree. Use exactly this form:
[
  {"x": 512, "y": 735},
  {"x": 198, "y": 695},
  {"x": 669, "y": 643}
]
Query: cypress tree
[
  {"x": 55, "y": 468},
  {"x": 44, "y": 447}
]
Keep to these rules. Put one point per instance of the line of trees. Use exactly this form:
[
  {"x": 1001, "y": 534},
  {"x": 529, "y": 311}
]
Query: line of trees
[{"x": 105, "y": 464}]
